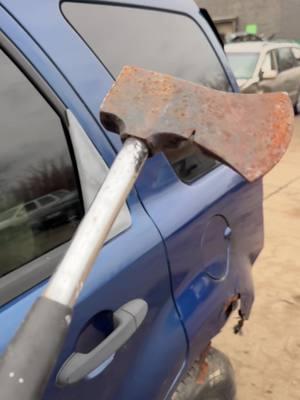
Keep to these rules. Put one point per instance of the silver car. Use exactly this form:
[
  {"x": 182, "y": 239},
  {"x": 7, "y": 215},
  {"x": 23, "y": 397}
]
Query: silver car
[{"x": 267, "y": 67}]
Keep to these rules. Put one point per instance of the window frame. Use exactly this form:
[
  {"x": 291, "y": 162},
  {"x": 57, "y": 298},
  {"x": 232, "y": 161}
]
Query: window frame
[
  {"x": 39, "y": 269},
  {"x": 273, "y": 61}
]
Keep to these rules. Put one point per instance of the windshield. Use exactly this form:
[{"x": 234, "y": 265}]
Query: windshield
[{"x": 243, "y": 64}]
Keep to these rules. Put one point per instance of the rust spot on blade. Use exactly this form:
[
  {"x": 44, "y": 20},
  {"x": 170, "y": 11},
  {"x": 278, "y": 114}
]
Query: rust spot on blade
[{"x": 249, "y": 132}]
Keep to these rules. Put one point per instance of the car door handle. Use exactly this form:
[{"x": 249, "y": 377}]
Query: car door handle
[{"x": 127, "y": 320}]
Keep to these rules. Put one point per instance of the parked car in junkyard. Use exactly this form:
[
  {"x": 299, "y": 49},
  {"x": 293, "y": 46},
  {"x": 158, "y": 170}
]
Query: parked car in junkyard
[
  {"x": 192, "y": 228},
  {"x": 42, "y": 212},
  {"x": 53, "y": 209},
  {"x": 263, "y": 66}
]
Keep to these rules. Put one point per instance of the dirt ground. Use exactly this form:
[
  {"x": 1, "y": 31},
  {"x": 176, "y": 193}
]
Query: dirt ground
[{"x": 267, "y": 357}]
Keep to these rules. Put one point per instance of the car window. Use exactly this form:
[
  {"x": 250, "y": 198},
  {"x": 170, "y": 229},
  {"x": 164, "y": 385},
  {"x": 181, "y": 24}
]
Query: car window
[
  {"x": 285, "y": 58},
  {"x": 243, "y": 64},
  {"x": 34, "y": 162},
  {"x": 177, "y": 46}
]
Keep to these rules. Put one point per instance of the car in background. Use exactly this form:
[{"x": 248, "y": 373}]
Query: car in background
[
  {"x": 263, "y": 66},
  {"x": 53, "y": 209},
  {"x": 42, "y": 212}
]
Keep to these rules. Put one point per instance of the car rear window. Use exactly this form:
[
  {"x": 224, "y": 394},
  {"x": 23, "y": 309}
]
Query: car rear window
[{"x": 156, "y": 40}]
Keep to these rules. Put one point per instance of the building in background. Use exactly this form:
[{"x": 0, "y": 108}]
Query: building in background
[{"x": 278, "y": 18}]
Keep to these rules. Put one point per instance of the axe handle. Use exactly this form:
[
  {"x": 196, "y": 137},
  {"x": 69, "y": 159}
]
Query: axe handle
[
  {"x": 90, "y": 236},
  {"x": 30, "y": 358}
]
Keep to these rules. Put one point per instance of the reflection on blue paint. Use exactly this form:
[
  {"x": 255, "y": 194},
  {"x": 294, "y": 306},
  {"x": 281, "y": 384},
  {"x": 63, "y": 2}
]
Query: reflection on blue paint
[{"x": 101, "y": 368}]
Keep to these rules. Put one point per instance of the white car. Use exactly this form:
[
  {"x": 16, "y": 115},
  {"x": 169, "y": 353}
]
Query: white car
[{"x": 266, "y": 67}]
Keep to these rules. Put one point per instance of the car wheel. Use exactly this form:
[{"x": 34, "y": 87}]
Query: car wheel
[{"x": 219, "y": 383}]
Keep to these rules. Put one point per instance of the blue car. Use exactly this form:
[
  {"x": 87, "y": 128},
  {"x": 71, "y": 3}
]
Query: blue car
[{"x": 187, "y": 238}]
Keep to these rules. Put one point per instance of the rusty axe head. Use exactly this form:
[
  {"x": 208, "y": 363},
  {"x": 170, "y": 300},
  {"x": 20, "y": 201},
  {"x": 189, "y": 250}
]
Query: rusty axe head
[{"x": 249, "y": 132}]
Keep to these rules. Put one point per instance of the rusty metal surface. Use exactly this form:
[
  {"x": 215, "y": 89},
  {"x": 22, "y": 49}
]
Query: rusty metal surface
[
  {"x": 249, "y": 132},
  {"x": 203, "y": 365}
]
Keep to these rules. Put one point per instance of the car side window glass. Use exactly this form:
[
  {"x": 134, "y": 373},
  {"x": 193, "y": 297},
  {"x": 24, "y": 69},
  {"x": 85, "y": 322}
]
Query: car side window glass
[
  {"x": 35, "y": 162},
  {"x": 176, "y": 46},
  {"x": 285, "y": 58}
]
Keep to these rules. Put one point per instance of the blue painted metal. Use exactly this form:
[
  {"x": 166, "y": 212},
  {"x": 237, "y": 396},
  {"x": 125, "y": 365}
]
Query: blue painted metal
[
  {"x": 183, "y": 213},
  {"x": 135, "y": 263}
]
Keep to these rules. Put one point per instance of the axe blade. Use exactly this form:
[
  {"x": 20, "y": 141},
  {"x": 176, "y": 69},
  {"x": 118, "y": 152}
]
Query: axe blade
[{"x": 249, "y": 132}]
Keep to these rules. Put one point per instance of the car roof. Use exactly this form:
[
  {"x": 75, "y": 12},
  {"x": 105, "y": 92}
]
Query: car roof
[{"x": 257, "y": 47}]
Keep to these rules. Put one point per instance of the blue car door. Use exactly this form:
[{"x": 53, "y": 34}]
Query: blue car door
[{"x": 45, "y": 126}]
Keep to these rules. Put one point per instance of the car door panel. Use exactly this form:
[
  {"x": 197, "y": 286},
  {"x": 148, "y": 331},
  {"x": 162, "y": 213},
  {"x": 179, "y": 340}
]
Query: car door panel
[
  {"x": 111, "y": 285},
  {"x": 132, "y": 265},
  {"x": 105, "y": 289},
  {"x": 183, "y": 214}
]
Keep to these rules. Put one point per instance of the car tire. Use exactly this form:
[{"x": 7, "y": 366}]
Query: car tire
[{"x": 219, "y": 384}]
